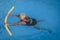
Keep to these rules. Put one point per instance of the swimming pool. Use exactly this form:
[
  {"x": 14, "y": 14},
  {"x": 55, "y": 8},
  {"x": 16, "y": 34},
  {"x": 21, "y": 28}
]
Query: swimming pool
[{"x": 47, "y": 10}]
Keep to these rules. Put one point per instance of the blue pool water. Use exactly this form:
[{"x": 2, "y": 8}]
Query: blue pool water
[{"x": 47, "y": 10}]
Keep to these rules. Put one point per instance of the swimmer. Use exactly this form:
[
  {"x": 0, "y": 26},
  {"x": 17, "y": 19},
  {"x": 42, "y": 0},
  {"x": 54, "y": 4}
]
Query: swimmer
[{"x": 25, "y": 20}]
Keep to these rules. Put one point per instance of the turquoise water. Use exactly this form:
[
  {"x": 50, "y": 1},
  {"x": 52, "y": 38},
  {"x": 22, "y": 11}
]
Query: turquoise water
[{"x": 47, "y": 10}]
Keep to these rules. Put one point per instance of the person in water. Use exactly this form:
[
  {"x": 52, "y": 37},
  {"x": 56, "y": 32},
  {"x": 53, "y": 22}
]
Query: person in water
[{"x": 28, "y": 21}]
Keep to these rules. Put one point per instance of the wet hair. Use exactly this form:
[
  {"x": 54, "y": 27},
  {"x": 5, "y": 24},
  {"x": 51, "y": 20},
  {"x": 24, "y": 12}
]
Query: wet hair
[{"x": 27, "y": 18}]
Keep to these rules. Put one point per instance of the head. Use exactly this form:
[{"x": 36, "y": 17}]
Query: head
[{"x": 22, "y": 16}]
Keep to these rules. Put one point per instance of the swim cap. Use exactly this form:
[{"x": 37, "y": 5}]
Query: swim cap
[{"x": 22, "y": 16}]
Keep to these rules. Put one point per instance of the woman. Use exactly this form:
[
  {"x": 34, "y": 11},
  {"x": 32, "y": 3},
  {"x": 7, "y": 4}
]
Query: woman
[{"x": 25, "y": 20}]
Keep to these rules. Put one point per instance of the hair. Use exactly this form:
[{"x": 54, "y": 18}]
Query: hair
[{"x": 27, "y": 18}]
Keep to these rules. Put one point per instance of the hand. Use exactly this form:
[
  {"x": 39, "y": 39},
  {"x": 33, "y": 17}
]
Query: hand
[
  {"x": 5, "y": 23},
  {"x": 8, "y": 15}
]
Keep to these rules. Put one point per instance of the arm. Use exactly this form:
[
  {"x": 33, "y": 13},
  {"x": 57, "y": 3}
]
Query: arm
[
  {"x": 18, "y": 23},
  {"x": 13, "y": 14}
]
